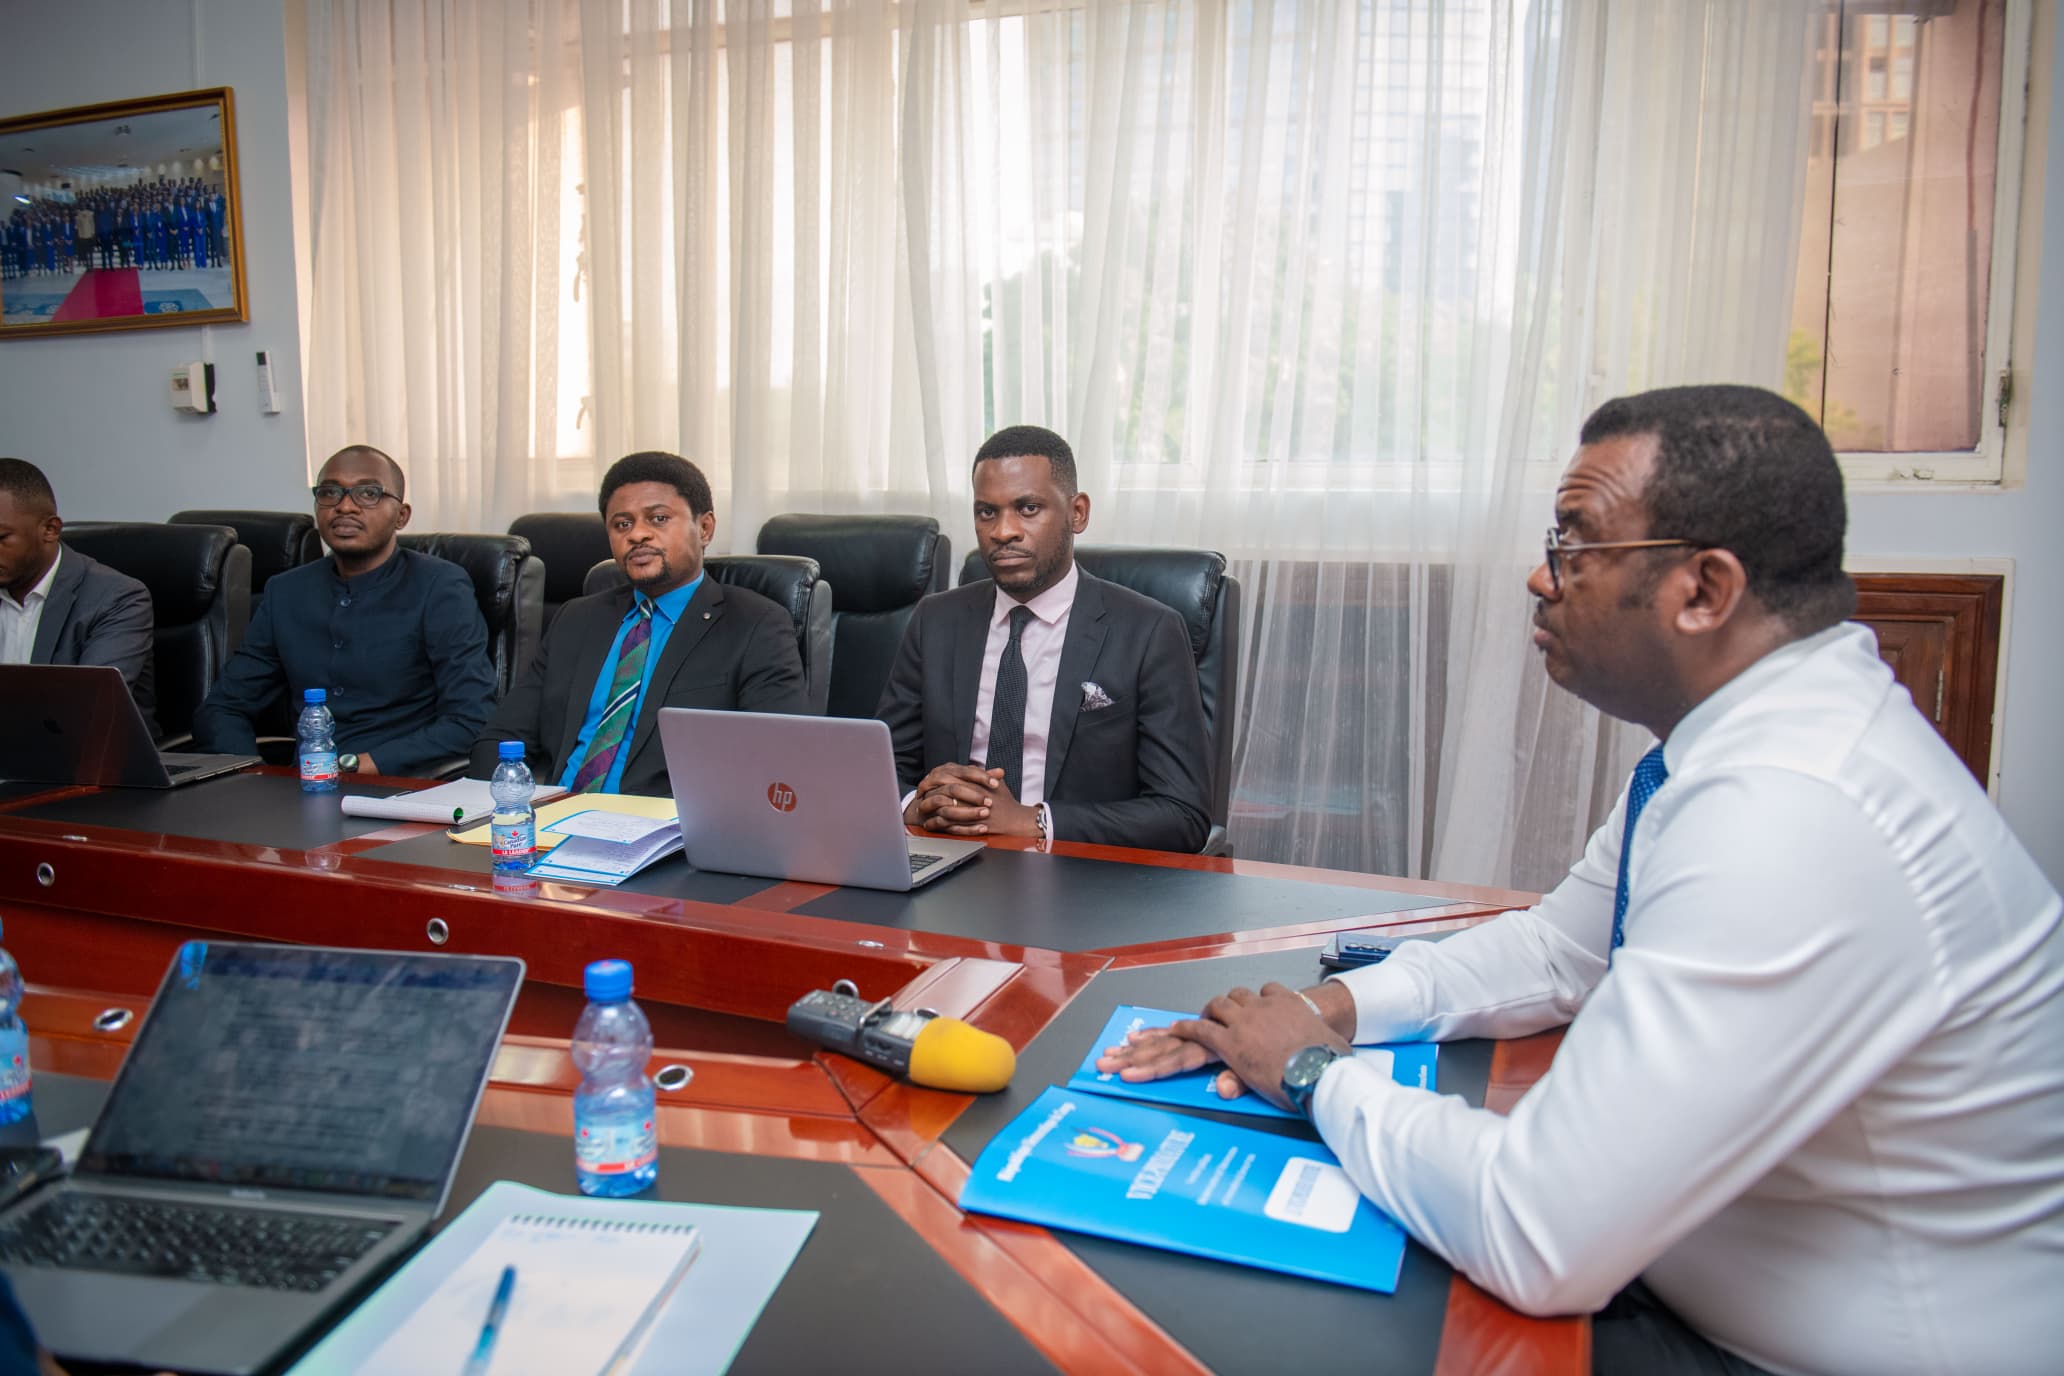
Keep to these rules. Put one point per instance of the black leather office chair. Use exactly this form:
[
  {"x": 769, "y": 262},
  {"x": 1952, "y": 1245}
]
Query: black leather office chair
[
  {"x": 570, "y": 542},
  {"x": 278, "y": 541},
  {"x": 509, "y": 581},
  {"x": 1196, "y": 584},
  {"x": 199, "y": 578},
  {"x": 790, "y": 583},
  {"x": 878, "y": 568}
]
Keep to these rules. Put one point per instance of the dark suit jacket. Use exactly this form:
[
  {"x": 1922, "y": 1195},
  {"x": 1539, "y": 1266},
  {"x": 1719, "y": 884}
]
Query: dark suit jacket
[
  {"x": 732, "y": 650},
  {"x": 1135, "y": 773},
  {"x": 98, "y": 616}
]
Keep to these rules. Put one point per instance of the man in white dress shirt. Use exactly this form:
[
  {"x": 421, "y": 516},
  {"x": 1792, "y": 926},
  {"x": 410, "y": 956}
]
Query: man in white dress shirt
[
  {"x": 1809, "y": 1109},
  {"x": 1044, "y": 701}
]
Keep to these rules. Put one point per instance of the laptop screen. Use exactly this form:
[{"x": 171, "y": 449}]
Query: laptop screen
[{"x": 282, "y": 1067}]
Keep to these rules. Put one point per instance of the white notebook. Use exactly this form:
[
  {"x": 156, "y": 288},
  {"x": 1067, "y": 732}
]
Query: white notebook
[
  {"x": 453, "y": 804},
  {"x": 587, "y": 1291}
]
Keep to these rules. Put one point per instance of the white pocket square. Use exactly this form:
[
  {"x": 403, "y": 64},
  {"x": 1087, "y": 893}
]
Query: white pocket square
[{"x": 1094, "y": 698}]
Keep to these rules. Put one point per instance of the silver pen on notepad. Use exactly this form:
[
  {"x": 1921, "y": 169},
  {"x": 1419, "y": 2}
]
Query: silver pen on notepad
[{"x": 483, "y": 1351}]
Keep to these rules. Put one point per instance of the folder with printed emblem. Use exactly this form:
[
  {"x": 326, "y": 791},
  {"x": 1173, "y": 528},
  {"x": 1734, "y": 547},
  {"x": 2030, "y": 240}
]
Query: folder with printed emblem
[{"x": 1124, "y": 1170}]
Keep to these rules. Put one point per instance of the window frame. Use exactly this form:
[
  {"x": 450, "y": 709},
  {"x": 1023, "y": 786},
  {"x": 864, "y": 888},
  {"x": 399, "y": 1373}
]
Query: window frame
[{"x": 1982, "y": 467}]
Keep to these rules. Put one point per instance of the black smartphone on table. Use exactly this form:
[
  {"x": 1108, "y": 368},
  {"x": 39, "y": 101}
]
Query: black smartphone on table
[{"x": 1353, "y": 950}]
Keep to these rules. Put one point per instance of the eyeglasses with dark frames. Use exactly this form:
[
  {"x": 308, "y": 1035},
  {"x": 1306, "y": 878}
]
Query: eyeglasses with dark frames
[
  {"x": 1556, "y": 548},
  {"x": 363, "y": 495}
]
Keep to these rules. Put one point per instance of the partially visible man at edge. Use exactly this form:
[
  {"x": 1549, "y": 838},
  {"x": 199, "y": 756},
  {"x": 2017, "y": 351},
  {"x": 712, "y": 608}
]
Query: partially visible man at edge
[
  {"x": 394, "y": 637},
  {"x": 56, "y": 605},
  {"x": 1809, "y": 1111}
]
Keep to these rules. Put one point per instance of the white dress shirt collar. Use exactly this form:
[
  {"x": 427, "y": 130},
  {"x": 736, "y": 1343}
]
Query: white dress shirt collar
[
  {"x": 1050, "y": 606},
  {"x": 41, "y": 592},
  {"x": 1743, "y": 686}
]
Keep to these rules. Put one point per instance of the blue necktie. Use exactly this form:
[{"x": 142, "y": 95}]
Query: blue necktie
[{"x": 1648, "y": 777}]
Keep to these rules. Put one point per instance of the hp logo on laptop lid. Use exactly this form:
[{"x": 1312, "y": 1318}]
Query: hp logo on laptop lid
[{"x": 781, "y": 797}]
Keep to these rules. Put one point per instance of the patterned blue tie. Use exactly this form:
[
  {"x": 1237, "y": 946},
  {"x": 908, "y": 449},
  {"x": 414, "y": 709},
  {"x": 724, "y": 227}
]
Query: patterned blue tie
[{"x": 1648, "y": 777}]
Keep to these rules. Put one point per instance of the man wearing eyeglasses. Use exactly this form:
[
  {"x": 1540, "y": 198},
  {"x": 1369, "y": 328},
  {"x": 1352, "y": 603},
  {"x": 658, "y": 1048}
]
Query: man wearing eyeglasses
[
  {"x": 395, "y": 637},
  {"x": 1808, "y": 1114}
]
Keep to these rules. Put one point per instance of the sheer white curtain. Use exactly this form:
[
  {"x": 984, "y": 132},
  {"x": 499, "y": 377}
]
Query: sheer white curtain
[{"x": 1327, "y": 285}]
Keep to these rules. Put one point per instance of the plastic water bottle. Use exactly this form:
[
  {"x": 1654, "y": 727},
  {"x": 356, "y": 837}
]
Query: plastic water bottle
[
  {"x": 615, "y": 1149},
  {"x": 316, "y": 733},
  {"x": 513, "y": 831},
  {"x": 14, "y": 1045}
]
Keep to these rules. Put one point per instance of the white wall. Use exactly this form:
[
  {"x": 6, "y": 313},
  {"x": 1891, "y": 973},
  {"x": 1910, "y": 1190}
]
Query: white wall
[{"x": 92, "y": 410}]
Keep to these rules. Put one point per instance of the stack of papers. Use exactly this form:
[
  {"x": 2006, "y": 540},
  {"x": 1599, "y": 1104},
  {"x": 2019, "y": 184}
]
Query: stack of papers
[{"x": 604, "y": 847}]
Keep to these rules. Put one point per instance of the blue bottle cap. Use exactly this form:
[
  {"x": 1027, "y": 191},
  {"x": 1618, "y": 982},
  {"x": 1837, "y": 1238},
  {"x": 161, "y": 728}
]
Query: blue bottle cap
[
  {"x": 609, "y": 980},
  {"x": 512, "y": 750},
  {"x": 314, "y": 695}
]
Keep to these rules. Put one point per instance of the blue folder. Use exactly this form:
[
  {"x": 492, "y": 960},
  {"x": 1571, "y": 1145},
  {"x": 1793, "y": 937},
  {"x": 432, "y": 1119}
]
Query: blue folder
[
  {"x": 1094, "y": 1164},
  {"x": 1412, "y": 1064}
]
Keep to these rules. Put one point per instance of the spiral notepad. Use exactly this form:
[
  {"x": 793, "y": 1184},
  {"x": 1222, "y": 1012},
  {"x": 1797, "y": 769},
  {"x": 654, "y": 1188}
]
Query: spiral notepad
[{"x": 587, "y": 1291}]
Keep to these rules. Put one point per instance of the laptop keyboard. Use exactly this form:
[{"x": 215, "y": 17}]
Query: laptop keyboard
[
  {"x": 923, "y": 862},
  {"x": 198, "y": 1242}
]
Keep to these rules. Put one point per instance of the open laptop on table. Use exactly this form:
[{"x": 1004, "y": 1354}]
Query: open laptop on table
[
  {"x": 787, "y": 797},
  {"x": 284, "y": 1128},
  {"x": 77, "y": 724}
]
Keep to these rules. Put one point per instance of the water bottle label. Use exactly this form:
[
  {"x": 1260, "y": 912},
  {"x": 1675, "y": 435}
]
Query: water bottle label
[
  {"x": 14, "y": 1067},
  {"x": 615, "y": 1149},
  {"x": 318, "y": 766},
  {"x": 514, "y": 842}
]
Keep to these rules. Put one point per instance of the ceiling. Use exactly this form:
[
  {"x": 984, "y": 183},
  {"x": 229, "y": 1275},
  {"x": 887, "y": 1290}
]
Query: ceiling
[{"x": 113, "y": 148}]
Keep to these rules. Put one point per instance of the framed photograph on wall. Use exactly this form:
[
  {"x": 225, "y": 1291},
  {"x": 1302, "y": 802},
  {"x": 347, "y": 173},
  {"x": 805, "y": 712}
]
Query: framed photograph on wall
[{"x": 121, "y": 216}]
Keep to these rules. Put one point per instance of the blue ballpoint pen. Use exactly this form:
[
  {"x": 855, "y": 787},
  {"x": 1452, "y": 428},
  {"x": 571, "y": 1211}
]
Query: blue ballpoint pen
[{"x": 483, "y": 1351}]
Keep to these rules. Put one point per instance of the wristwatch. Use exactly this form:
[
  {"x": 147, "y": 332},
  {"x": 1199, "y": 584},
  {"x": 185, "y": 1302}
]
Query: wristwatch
[
  {"x": 1301, "y": 1074},
  {"x": 347, "y": 763}
]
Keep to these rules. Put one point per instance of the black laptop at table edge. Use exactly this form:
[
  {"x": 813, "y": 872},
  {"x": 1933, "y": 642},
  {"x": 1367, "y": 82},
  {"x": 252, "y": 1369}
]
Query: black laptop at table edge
[
  {"x": 76, "y": 724},
  {"x": 284, "y": 1129}
]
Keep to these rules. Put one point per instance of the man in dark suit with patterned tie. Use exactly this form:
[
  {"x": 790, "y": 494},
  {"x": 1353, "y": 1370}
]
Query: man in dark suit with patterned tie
[
  {"x": 587, "y": 708},
  {"x": 1044, "y": 701}
]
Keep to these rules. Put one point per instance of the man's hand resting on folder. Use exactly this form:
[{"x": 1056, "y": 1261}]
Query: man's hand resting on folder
[
  {"x": 967, "y": 800},
  {"x": 1253, "y": 1034}
]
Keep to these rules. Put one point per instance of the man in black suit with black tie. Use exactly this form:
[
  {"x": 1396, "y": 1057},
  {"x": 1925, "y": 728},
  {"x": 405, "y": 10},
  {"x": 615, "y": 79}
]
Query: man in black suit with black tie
[
  {"x": 1047, "y": 702},
  {"x": 587, "y": 708}
]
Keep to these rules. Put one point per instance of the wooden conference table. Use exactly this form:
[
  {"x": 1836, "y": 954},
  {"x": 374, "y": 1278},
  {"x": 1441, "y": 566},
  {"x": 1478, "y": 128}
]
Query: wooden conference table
[{"x": 98, "y": 887}]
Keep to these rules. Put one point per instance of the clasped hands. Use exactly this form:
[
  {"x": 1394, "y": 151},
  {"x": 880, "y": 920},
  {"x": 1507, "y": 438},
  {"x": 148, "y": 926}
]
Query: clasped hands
[
  {"x": 966, "y": 800},
  {"x": 1252, "y": 1034}
]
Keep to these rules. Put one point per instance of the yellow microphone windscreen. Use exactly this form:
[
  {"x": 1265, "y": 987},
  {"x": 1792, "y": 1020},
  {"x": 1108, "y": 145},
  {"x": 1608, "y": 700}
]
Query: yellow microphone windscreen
[{"x": 948, "y": 1054}]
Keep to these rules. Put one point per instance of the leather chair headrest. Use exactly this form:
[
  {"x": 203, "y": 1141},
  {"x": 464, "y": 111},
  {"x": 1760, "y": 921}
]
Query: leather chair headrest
[
  {"x": 785, "y": 580},
  {"x": 493, "y": 562},
  {"x": 278, "y": 540},
  {"x": 873, "y": 563},
  {"x": 1186, "y": 579},
  {"x": 569, "y": 542},
  {"x": 182, "y": 565}
]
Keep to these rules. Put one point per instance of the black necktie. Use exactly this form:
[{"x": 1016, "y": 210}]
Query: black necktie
[{"x": 1007, "y": 707}]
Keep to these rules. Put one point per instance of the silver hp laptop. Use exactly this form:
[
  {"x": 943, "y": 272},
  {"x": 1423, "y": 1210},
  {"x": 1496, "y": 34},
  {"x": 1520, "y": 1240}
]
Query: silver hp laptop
[
  {"x": 77, "y": 724},
  {"x": 284, "y": 1128},
  {"x": 809, "y": 798}
]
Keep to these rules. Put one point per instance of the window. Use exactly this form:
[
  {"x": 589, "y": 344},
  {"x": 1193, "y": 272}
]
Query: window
[{"x": 1902, "y": 306}]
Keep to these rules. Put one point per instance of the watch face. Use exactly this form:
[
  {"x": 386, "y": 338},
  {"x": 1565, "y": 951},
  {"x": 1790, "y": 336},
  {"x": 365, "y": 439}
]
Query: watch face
[{"x": 1307, "y": 1065}]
